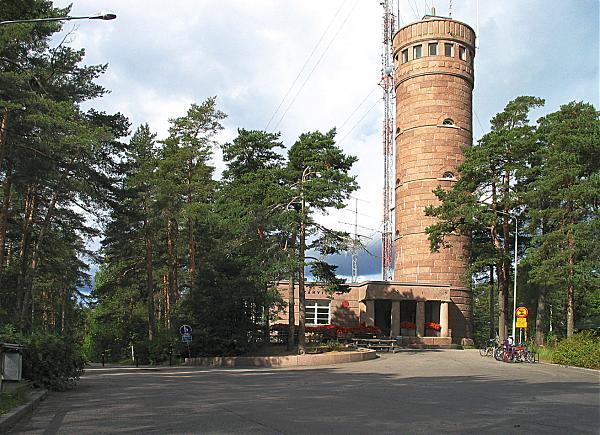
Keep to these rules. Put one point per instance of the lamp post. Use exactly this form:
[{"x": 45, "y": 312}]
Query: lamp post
[{"x": 101, "y": 16}]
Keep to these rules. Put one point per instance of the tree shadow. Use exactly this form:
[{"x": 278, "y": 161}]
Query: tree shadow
[{"x": 317, "y": 400}]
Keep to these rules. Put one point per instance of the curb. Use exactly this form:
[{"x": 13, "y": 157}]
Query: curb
[
  {"x": 284, "y": 361},
  {"x": 10, "y": 419},
  {"x": 570, "y": 367}
]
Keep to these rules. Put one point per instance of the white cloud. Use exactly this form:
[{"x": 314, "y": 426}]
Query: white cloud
[{"x": 163, "y": 56}]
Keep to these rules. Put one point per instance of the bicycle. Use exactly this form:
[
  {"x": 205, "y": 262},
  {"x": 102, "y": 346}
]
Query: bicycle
[{"x": 488, "y": 349}]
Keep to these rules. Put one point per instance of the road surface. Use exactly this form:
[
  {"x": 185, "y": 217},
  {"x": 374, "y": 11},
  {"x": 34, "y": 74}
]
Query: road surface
[{"x": 446, "y": 391}]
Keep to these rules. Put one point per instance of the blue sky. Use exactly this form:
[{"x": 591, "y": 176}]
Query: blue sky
[{"x": 163, "y": 56}]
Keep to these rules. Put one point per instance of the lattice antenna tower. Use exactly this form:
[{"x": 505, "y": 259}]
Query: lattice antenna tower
[
  {"x": 387, "y": 84},
  {"x": 355, "y": 244}
]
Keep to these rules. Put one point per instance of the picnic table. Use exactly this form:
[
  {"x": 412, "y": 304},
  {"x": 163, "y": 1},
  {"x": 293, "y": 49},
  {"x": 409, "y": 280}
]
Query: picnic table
[{"x": 383, "y": 344}]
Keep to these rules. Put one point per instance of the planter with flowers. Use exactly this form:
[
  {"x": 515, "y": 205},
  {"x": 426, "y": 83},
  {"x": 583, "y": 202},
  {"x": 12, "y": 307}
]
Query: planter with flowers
[
  {"x": 432, "y": 329},
  {"x": 408, "y": 329}
]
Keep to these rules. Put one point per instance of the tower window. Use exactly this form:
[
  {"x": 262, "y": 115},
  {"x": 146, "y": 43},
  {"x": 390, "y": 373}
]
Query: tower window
[
  {"x": 448, "y": 175},
  {"x": 462, "y": 52},
  {"x": 448, "y": 121},
  {"x": 449, "y": 49},
  {"x": 433, "y": 48},
  {"x": 417, "y": 52},
  {"x": 405, "y": 55}
]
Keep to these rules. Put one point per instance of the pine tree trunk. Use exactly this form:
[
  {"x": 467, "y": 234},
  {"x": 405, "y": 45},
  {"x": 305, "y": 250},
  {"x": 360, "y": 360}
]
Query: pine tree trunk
[
  {"x": 291, "y": 314},
  {"x": 190, "y": 225},
  {"x": 539, "y": 317},
  {"x": 166, "y": 301},
  {"x": 501, "y": 287},
  {"x": 502, "y": 279},
  {"x": 191, "y": 254},
  {"x": 35, "y": 256},
  {"x": 506, "y": 269},
  {"x": 492, "y": 328},
  {"x": 172, "y": 287},
  {"x": 3, "y": 135},
  {"x": 63, "y": 308},
  {"x": 506, "y": 245},
  {"x": 149, "y": 273},
  {"x": 24, "y": 247},
  {"x": 301, "y": 294},
  {"x": 4, "y": 213},
  {"x": 570, "y": 289}
]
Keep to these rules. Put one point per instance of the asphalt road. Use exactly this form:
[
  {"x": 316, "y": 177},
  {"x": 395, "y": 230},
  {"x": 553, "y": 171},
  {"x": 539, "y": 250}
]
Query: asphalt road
[{"x": 410, "y": 392}]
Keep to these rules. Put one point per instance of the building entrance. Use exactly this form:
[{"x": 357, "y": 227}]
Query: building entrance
[{"x": 383, "y": 315}]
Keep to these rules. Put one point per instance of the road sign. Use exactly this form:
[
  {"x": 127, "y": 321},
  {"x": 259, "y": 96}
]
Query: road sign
[
  {"x": 186, "y": 338},
  {"x": 521, "y": 322},
  {"x": 522, "y": 312},
  {"x": 185, "y": 329}
]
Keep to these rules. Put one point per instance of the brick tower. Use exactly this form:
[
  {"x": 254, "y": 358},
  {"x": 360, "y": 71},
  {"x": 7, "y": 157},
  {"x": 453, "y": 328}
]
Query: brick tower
[{"x": 434, "y": 83}]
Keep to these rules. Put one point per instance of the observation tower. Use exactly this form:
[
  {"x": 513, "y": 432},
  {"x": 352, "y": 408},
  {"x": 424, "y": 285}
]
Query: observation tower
[{"x": 434, "y": 83}]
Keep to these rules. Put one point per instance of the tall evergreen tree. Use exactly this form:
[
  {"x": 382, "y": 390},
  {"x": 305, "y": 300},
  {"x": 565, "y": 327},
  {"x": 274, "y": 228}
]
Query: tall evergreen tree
[
  {"x": 319, "y": 179},
  {"x": 563, "y": 205},
  {"x": 486, "y": 196}
]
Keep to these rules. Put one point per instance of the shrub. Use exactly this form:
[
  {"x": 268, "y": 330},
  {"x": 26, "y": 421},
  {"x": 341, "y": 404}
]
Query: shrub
[
  {"x": 50, "y": 361},
  {"x": 581, "y": 350}
]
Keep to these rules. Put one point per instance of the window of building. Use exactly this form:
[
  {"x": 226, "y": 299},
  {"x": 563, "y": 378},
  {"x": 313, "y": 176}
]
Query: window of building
[
  {"x": 408, "y": 310},
  {"x": 405, "y": 55},
  {"x": 462, "y": 52},
  {"x": 433, "y": 47},
  {"x": 448, "y": 121},
  {"x": 448, "y": 175},
  {"x": 449, "y": 49},
  {"x": 318, "y": 312},
  {"x": 417, "y": 52}
]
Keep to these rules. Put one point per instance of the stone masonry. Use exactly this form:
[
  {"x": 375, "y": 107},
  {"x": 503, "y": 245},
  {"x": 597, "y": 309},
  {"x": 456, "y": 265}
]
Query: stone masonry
[{"x": 434, "y": 83}]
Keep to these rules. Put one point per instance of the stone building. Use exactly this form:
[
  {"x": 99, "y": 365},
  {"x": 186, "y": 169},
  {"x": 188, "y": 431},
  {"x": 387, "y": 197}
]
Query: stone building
[{"x": 434, "y": 81}]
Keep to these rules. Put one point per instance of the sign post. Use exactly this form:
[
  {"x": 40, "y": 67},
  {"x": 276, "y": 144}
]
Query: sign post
[
  {"x": 186, "y": 337},
  {"x": 521, "y": 319}
]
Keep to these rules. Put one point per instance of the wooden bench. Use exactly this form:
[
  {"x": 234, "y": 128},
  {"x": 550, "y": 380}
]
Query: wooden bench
[{"x": 380, "y": 344}]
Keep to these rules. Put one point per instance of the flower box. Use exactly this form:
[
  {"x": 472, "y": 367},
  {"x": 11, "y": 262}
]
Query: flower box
[
  {"x": 431, "y": 332},
  {"x": 408, "y": 332}
]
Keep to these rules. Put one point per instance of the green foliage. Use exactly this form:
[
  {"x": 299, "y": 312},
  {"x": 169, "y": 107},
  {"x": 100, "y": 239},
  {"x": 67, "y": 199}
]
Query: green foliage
[
  {"x": 581, "y": 350},
  {"x": 11, "y": 399},
  {"x": 481, "y": 314},
  {"x": 49, "y": 360}
]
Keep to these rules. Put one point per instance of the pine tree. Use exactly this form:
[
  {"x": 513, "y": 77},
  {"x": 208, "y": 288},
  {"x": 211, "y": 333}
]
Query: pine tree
[
  {"x": 563, "y": 205},
  {"x": 486, "y": 196}
]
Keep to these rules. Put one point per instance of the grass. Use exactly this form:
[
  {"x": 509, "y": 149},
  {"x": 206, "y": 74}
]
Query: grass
[
  {"x": 545, "y": 353},
  {"x": 11, "y": 399}
]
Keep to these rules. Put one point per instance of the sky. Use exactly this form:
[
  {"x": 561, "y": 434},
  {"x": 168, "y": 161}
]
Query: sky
[{"x": 295, "y": 66}]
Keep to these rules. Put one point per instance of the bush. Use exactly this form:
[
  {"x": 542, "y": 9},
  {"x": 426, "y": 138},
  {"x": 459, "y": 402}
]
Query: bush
[
  {"x": 581, "y": 350},
  {"x": 50, "y": 361}
]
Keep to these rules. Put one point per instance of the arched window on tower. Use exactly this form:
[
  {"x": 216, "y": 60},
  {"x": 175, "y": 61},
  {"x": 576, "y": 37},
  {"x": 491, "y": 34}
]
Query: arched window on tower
[
  {"x": 448, "y": 175},
  {"x": 448, "y": 121}
]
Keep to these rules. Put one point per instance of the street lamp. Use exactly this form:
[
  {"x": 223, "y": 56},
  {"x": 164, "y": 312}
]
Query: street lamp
[{"x": 100, "y": 16}]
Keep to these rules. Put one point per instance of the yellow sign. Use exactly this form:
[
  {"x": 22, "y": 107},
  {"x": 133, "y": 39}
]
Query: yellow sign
[
  {"x": 522, "y": 312},
  {"x": 521, "y": 322}
]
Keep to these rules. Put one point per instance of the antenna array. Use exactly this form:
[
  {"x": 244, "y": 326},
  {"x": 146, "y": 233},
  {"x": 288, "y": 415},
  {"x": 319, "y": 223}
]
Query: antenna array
[{"x": 387, "y": 84}]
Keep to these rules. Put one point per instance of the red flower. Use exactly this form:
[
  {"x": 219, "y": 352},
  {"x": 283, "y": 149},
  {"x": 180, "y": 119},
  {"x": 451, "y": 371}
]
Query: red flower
[
  {"x": 433, "y": 325},
  {"x": 408, "y": 325}
]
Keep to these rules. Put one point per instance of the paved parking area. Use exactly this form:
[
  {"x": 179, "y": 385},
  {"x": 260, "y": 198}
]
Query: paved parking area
[{"x": 444, "y": 391}]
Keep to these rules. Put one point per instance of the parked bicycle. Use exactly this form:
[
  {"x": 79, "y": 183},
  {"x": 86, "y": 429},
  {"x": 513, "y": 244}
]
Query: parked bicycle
[
  {"x": 514, "y": 353},
  {"x": 489, "y": 348}
]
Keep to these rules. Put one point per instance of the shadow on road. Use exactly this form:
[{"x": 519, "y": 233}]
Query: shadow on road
[{"x": 317, "y": 400}]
